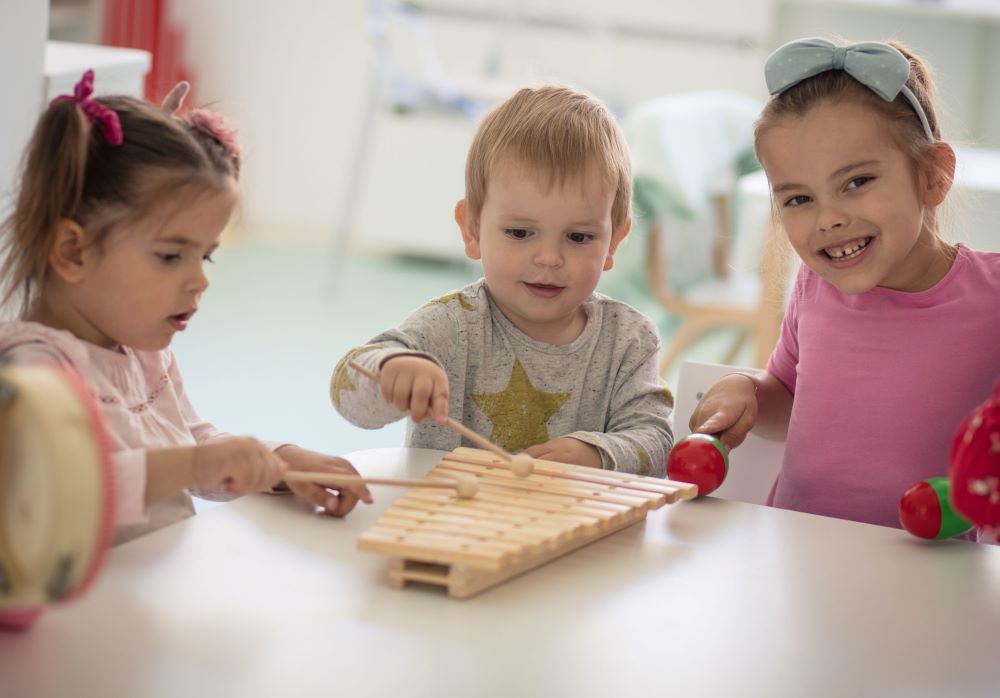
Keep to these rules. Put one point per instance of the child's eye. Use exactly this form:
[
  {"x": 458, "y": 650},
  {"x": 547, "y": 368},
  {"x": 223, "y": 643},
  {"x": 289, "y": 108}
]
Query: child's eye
[
  {"x": 208, "y": 258},
  {"x": 796, "y": 201},
  {"x": 580, "y": 238},
  {"x": 517, "y": 233},
  {"x": 859, "y": 181},
  {"x": 168, "y": 257}
]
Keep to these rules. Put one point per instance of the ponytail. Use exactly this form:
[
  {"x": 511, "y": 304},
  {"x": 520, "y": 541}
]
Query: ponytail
[{"x": 53, "y": 174}]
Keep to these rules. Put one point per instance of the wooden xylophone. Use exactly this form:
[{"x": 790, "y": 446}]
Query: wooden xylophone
[{"x": 512, "y": 525}]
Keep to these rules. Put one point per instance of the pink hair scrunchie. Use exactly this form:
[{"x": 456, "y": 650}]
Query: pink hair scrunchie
[
  {"x": 214, "y": 125},
  {"x": 108, "y": 119}
]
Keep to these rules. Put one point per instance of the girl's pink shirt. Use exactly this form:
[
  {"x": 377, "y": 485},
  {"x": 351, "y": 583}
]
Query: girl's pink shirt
[
  {"x": 881, "y": 380},
  {"x": 142, "y": 399}
]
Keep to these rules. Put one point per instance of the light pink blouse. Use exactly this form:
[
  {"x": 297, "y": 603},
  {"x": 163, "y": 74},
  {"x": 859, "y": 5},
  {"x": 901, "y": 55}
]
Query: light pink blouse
[{"x": 142, "y": 397}]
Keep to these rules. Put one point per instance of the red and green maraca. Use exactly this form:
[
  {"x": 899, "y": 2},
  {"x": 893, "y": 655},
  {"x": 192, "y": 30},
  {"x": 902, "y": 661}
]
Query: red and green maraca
[
  {"x": 699, "y": 459},
  {"x": 947, "y": 506},
  {"x": 925, "y": 510}
]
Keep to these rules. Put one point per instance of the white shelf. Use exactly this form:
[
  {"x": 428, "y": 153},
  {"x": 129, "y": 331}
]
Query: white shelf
[{"x": 116, "y": 70}]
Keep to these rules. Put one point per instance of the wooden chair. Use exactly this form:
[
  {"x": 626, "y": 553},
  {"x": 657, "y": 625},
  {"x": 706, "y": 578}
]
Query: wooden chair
[
  {"x": 691, "y": 152},
  {"x": 751, "y": 303}
]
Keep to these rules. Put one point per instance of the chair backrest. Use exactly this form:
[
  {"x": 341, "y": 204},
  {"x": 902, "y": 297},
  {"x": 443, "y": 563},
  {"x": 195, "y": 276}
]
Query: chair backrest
[
  {"x": 754, "y": 464},
  {"x": 689, "y": 146},
  {"x": 689, "y": 151}
]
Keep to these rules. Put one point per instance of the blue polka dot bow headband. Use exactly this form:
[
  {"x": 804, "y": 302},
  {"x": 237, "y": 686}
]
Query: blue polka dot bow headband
[{"x": 879, "y": 67}]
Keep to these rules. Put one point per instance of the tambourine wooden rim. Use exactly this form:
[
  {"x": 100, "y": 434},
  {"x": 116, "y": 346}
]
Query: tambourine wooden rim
[{"x": 57, "y": 510}]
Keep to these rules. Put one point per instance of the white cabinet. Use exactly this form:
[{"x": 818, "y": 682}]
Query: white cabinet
[
  {"x": 116, "y": 70},
  {"x": 625, "y": 53}
]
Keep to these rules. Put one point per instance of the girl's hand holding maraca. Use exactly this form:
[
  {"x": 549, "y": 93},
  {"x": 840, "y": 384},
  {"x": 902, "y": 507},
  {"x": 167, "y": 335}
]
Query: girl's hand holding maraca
[{"x": 728, "y": 410}]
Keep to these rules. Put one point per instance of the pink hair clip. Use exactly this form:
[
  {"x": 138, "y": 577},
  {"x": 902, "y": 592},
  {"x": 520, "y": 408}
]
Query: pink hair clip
[
  {"x": 108, "y": 119},
  {"x": 215, "y": 126}
]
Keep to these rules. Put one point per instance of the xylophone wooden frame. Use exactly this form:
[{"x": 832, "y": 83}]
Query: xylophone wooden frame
[{"x": 512, "y": 525}]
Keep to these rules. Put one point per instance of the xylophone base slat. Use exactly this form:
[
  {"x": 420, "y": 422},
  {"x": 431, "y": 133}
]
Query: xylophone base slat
[{"x": 463, "y": 580}]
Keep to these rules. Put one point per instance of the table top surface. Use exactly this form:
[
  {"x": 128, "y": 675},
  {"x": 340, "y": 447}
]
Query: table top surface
[{"x": 260, "y": 598}]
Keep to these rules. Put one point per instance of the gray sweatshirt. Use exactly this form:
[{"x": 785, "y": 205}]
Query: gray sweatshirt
[{"x": 603, "y": 388}]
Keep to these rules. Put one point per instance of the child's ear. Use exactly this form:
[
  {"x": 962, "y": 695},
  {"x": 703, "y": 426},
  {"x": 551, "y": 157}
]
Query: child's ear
[
  {"x": 616, "y": 239},
  {"x": 469, "y": 228},
  {"x": 69, "y": 252},
  {"x": 940, "y": 175}
]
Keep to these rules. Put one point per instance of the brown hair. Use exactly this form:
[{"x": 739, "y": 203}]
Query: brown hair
[
  {"x": 899, "y": 115},
  {"x": 70, "y": 171},
  {"x": 560, "y": 132}
]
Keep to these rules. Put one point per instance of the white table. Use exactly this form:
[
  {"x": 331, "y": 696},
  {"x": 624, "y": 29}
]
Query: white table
[{"x": 708, "y": 598}]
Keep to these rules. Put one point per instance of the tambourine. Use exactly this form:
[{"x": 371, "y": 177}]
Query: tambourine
[
  {"x": 56, "y": 490},
  {"x": 974, "y": 467}
]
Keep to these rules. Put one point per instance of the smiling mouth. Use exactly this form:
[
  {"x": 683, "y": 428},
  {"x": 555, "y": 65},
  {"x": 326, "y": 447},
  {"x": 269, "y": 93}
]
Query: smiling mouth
[{"x": 842, "y": 253}]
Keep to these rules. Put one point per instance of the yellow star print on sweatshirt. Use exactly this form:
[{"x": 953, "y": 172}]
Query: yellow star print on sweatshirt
[{"x": 520, "y": 412}]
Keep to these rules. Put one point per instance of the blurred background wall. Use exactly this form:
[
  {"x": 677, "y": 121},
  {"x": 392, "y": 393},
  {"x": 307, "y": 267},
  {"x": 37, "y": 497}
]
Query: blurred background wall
[{"x": 355, "y": 117}]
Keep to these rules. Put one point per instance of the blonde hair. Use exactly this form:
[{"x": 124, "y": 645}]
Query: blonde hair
[
  {"x": 558, "y": 131},
  {"x": 899, "y": 116},
  {"x": 70, "y": 171}
]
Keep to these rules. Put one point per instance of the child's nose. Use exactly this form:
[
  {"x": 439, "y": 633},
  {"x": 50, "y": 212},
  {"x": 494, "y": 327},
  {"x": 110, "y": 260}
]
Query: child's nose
[
  {"x": 830, "y": 217},
  {"x": 548, "y": 254},
  {"x": 198, "y": 281}
]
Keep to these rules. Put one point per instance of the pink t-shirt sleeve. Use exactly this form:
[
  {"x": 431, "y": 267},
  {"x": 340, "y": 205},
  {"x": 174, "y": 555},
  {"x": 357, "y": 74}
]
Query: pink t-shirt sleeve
[{"x": 785, "y": 357}]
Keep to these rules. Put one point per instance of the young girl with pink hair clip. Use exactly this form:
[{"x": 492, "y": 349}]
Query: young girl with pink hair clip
[{"x": 120, "y": 205}]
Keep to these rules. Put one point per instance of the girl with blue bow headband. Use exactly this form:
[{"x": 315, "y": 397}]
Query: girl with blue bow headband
[{"x": 890, "y": 337}]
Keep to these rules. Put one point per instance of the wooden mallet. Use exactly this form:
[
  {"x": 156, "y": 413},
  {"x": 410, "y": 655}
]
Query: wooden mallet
[
  {"x": 521, "y": 465},
  {"x": 466, "y": 487}
]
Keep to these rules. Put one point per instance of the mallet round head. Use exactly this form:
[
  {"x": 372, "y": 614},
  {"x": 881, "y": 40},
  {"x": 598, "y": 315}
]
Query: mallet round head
[
  {"x": 466, "y": 487},
  {"x": 701, "y": 460},
  {"x": 522, "y": 465}
]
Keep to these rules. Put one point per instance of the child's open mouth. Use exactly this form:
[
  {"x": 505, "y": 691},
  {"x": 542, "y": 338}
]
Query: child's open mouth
[
  {"x": 544, "y": 290},
  {"x": 179, "y": 322},
  {"x": 847, "y": 251}
]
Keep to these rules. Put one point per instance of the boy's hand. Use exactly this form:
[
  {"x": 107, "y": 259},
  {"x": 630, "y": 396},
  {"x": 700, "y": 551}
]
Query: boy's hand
[
  {"x": 334, "y": 501},
  {"x": 238, "y": 465},
  {"x": 566, "y": 449},
  {"x": 415, "y": 385},
  {"x": 728, "y": 410}
]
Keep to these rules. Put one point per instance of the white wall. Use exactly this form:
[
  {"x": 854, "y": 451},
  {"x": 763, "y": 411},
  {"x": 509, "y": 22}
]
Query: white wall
[
  {"x": 23, "y": 30},
  {"x": 959, "y": 40},
  {"x": 294, "y": 76}
]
